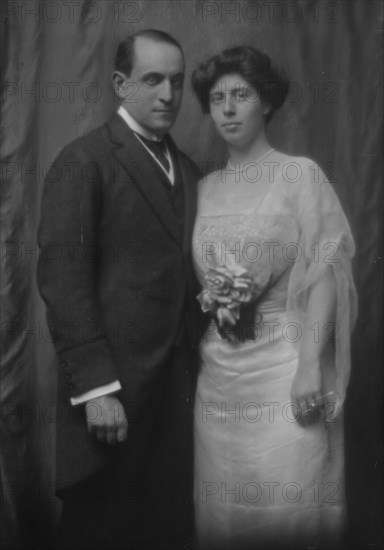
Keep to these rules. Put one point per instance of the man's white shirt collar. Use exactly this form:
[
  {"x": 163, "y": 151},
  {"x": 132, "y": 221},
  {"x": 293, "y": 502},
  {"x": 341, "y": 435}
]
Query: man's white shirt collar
[{"x": 136, "y": 127}]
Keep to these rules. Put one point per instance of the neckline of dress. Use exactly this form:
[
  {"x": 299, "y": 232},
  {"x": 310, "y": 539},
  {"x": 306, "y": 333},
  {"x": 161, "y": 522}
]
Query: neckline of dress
[{"x": 230, "y": 165}]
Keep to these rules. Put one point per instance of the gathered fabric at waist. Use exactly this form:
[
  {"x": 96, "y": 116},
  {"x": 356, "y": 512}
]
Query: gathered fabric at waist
[
  {"x": 272, "y": 306},
  {"x": 267, "y": 313}
]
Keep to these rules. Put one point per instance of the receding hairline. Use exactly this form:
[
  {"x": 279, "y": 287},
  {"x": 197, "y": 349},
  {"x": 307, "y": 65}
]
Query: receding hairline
[
  {"x": 147, "y": 35},
  {"x": 127, "y": 52},
  {"x": 157, "y": 36},
  {"x": 155, "y": 41}
]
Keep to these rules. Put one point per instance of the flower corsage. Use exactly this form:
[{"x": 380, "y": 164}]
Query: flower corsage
[{"x": 230, "y": 295}]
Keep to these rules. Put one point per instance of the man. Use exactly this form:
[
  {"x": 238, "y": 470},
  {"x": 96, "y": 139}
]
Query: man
[{"x": 116, "y": 275}]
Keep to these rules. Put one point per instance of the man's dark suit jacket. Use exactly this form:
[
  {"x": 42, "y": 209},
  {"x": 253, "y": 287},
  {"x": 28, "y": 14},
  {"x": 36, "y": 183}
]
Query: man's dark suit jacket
[{"x": 116, "y": 276}]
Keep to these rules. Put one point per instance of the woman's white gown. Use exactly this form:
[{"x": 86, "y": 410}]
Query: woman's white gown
[{"x": 261, "y": 479}]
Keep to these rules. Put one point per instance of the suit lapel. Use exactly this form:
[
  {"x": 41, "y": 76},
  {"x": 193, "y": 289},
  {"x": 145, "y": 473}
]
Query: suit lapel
[{"x": 145, "y": 174}]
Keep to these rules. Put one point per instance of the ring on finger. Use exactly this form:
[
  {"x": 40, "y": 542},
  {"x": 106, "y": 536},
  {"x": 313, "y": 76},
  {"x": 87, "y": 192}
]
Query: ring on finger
[{"x": 312, "y": 408}]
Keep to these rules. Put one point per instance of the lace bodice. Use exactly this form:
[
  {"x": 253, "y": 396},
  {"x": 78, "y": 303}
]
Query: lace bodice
[{"x": 236, "y": 225}]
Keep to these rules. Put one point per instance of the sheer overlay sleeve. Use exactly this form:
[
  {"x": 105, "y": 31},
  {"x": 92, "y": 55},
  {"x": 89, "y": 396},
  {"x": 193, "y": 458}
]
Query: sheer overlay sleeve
[{"x": 326, "y": 242}]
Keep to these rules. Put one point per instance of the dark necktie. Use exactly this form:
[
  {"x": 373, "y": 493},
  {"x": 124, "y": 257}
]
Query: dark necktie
[{"x": 158, "y": 149}]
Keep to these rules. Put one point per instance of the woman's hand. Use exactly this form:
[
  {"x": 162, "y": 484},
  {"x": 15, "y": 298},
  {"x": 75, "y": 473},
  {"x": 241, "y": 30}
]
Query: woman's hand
[
  {"x": 306, "y": 393},
  {"x": 307, "y": 384}
]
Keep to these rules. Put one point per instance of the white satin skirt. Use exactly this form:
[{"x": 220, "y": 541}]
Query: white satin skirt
[{"x": 261, "y": 479}]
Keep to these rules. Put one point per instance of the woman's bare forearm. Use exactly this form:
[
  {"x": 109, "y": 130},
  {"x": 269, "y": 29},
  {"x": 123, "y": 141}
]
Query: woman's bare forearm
[{"x": 320, "y": 318}]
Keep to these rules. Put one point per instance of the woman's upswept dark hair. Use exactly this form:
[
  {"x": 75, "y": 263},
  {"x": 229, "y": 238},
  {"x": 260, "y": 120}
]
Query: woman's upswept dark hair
[{"x": 270, "y": 82}]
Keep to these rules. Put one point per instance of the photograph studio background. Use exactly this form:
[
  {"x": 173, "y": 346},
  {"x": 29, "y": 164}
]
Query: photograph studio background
[{"x": 56, "y": 85}]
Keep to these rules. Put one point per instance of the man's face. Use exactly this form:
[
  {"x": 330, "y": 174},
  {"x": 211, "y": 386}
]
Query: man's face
[{"x": 152, "y": 93}]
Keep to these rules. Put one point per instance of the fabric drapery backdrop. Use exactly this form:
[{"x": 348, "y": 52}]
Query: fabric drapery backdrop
[{"x": 56, "y": 84}]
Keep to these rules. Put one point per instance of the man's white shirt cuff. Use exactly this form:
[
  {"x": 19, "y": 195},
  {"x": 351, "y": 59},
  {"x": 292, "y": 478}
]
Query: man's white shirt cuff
[{"x": 96, "y": 392}]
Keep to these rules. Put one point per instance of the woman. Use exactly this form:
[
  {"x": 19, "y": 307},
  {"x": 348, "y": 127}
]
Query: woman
[{"x": 272, "y": 249}]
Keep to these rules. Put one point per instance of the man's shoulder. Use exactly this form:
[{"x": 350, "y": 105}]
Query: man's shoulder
[{"x": 88, "y": 142}]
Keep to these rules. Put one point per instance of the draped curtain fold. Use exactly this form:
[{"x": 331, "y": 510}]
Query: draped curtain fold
[{"x": 57, "y": 59}]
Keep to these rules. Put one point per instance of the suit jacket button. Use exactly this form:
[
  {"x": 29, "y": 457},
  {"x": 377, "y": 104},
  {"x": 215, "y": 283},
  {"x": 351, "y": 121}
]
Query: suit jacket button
[
  {"x": 68, "y": 375},
  {"x": 64, "y": 364},
  {"x": 71, "y": 386}
]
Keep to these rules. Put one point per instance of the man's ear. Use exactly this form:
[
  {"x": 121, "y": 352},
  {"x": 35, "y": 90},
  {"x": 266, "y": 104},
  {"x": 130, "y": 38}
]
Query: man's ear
[{"x": 120, "y": 84}]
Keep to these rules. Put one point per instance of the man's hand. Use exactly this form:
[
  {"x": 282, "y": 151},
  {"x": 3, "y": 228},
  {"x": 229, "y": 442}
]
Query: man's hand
[{"x": 106, "y": 419}]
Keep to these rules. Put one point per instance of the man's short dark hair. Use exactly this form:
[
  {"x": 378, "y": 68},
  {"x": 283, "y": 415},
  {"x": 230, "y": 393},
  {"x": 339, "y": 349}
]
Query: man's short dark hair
[
  {"x": 253, "y": 65},
  {"x": 126, "y": 49}
]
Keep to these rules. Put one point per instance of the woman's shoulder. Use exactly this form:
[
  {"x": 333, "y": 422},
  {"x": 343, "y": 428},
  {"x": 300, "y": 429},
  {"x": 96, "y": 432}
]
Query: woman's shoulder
[
  {"x": 298, "y": 171},
  {"x": 286, "y": 161},
  {"x": 302, "y": 180}
]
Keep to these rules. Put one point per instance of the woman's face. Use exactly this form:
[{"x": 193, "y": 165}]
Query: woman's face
[{"x": 237, "y": 111}]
